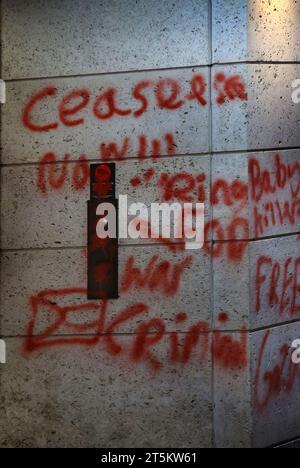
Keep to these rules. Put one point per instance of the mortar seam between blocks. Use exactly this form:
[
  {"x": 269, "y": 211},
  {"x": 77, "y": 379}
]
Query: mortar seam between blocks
[
  {"x": 209, "y": 331},
  {"x": 163, "y": 157},
  {"x": 212, "y": 241},
  {"x": 145, "y": 70}
]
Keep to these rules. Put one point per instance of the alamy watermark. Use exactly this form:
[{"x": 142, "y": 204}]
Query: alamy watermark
[
  {"x": 157, "y": 221},
  {"x": 296, "y": 353},
  {"x": 296, "y": 92},
  {"x": 2, "y": 352}
]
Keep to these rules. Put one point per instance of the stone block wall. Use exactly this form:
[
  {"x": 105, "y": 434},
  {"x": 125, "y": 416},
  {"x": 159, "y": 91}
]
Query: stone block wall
[{"x": 193, "y": 101}]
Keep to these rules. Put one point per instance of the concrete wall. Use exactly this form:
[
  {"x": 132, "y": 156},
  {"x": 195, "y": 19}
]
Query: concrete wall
[{"x": 196, "y": 352}]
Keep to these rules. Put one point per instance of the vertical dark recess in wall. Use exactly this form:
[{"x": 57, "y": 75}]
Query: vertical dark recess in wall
[{"x": 102, "y": 253}]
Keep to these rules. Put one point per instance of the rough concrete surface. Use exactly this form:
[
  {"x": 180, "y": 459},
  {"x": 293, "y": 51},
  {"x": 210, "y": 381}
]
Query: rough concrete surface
[{"x": 193, "y": 103}]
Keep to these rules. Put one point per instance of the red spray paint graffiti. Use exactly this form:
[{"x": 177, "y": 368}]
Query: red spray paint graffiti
[
  {"x": 145, "y": 148},
  {"x": 168, "y": 95},
  {"x": 278, "y": 284},
  {"x": 158, "y": 275},
  {"x": 230, "y": 354},
  {"x": 28, "y": 109},
  {"x": 167, "y": 92},
  {"x": 185, "y": 187},
  {"x": 181, "y": 187},
  {"x": 229, "y": 88},
  {"x": 279, "y": 380},
  {"x": 275, "y": 193},
  {"x": 54, "y": 174},
  {"x": 266, "y": 190},
  {"x": 264, "y": 182},
  {"x": 181, "y": 347}
]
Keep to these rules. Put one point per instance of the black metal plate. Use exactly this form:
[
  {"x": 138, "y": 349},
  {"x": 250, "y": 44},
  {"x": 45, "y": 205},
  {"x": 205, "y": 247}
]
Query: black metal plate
[{"x": 102, "y": 253}]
